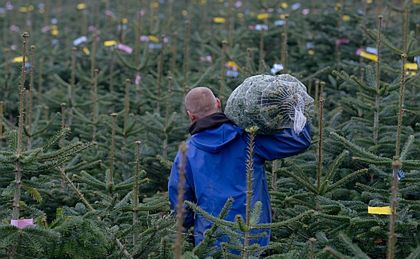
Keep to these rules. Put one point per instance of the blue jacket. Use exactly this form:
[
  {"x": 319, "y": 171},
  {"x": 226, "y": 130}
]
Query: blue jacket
[{"x": 216, "y": 170}]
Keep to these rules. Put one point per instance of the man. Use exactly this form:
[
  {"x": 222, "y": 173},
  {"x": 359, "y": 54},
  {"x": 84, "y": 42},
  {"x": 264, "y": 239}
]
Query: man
[{"x": 216, "y": 163}]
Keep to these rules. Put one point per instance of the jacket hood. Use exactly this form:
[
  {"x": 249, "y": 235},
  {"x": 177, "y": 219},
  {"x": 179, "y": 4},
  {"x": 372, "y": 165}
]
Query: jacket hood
[{"x": 215, "y": 139}]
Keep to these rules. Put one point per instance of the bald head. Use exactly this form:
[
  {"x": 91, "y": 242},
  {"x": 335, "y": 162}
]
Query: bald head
[{"x": 201, "y": 102}]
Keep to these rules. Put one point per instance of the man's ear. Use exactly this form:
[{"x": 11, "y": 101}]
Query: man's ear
[
  {"x": 191, "y": 116},
  {"x": 218, "y": 104}
]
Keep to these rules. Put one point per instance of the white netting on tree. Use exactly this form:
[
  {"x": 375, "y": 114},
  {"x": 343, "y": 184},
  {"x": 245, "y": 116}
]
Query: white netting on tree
[{"x": 270, "y": 102}]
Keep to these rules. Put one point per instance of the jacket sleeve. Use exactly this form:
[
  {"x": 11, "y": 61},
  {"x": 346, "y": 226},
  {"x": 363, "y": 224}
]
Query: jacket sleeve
[
  {"x": 188, "y": 190},
  {"x": 282, "y": 144}
]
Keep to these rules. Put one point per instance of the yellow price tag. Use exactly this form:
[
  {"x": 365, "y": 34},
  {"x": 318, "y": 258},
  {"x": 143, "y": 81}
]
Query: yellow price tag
[
  {"x": 154, "y": 5},
  {"x": 18, "y": 59},
  {"x": 368, "y": 56},
  {"x": 26, "y": 9},
  {"x": 284, "y": 5},
  {"x": 380, "y": 210},
  {"x": 219, "y": 20},
  {"x": 110, "y": 43},
  {"x": 345, "y": 18},
  {"x": 153, "y": 38},
  {"x": 86, "y": 51},
  {"x": 262, "y": 16},
  {"x": 411, "y": 66},
  {"x": 54, "y": 31},
  {"x": 232, "y": 64},
  {"x": 416, "y": 1},
  {"x": 81, "y": 6}
]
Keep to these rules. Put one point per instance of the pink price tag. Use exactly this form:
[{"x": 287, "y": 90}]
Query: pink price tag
[
  {"x": 45, "y": 29},
  {"x": 144, "y": 38},
  {"x": 22, "y": 223},
  {"x": 341, "y": 41},
  {"x": 109, "y": 13},
  {"x": 125, "y": 48},
  {"x": 14, "y": 28}
]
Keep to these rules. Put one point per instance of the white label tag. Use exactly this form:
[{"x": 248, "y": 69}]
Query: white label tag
[{"x": 299, "y": 121}]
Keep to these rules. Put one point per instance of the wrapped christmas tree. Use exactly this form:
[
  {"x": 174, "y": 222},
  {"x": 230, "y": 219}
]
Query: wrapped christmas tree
[{"x": 271, "y": 103}]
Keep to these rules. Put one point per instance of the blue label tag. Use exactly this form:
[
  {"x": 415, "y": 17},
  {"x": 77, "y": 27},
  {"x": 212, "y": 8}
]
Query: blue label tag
[{"x": 400, "y": 174}]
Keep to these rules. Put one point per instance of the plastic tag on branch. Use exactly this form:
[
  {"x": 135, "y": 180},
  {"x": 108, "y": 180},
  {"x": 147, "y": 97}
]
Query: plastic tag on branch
[
  {"x": 110, "y": 43},
  {"x": 417, "y": 60},
  {"x": 372, "y": 50},
  {"x": 276, "y": 68},
  {"x": 155, "y": 46},
  {"x": 125, "y": 48},
  {"x": 263, "y": 16},
  {"x": 400, "y": 175},
  {"x": 80, "y": 40},
  {"x": 296, "y": 6},
  {"x": 279, "y": 22},
  {"x": 310, "y": 45},
  {"x": 259, "y": 27},
  {"x": 137, "y": 79},
  {"x": 109, "y": 13},
  {"x": 86, "y": 51},
  {"x": 284, "y": 5},
  {"x": 219, "y": 20},
  {"x": 206, "y": 59},
  {"x": 18, "y": 59},
  {"x": 122, "y": 27},
  {"x": 26, "y": 9},
  {"x": 271, "y": 103},
  {"x": 232, "y": 69},
  {"x": 342, "y": 41},
  {"x": 345, "y": 18},
  {"x": 144, "y": 38},
  {"x": 9, "y": 6},
  {"x": 232, "y": 73},
  {"x": 54, "y": 30},
  {"x": 364, "y": 54},
  {"x": 385, "y": 210},
  {"x": 14, "y": 28},
  {"x": 81, "y": 6},
  {"x": 411, "y": 68},
  {"x": 45, "y": 29},
  {"x": 92, "y": 29},
  {"x": 22, "y": 223},
  {"x": 41, "y": 7},
  {"x": 153, "y": 38}
]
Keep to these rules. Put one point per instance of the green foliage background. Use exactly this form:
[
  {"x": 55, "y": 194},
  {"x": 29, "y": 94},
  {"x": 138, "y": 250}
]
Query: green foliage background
[{"x": 91, "y": 196}]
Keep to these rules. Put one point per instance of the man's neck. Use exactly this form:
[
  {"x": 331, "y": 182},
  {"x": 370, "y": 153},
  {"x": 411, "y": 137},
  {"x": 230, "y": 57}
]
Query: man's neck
[{"x": 211, "y": 121}]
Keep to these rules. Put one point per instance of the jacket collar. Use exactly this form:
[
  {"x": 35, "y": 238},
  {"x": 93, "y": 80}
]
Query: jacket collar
[{"x": 212, "y": 121}]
